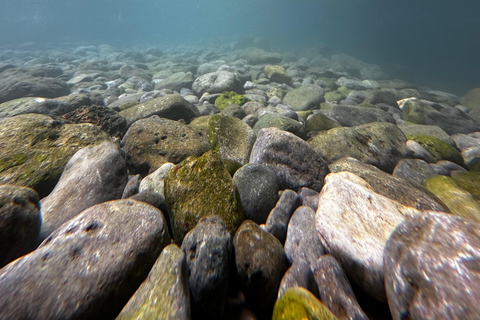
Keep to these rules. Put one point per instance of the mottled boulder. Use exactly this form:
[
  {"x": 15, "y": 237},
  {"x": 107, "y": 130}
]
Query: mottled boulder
[
  {"x": 258, "y": 189},
  {"x": 281, "y": 122},
  {"x": 349, "y": 116},
  {"x": 165, "y": 294},
  {"x": 15, "y": 83},
  {"x": 198, "y": 187},
  {"x": 216, "y": 82},
  {"x": 49, "y": 107},
  {"x": 208, "y": 250},
  {"x": 304, "y": 98},
  {"x": 35, "y": 148},
  {"x": 277, "y": 74},
  {"x": 277, "y": 221},
  {"x": 335, "y": 290},
  {"x": 298, "y": 275},
  {"x": 170, "y": 106},
  {"x": 378, "y": 143},
  {"x": 150, "y": 143},
  {"x": 293, "y": 160},
  {"x": 89, "y": 267},
  {"x": 93, "y": 175},
  {"x": 414, "y": 170},
  {"x": 20, "y": 222},
  {"x": 393, "y": 187},
  {"x": 303, "y": 242},
  {"x": 354, "y": 224},
  {"x": 299, "y": 303},
  {"x": 431, "y": 268},
  {"x": 452, "y": 120},
  {"x": 105, "y": 118},
  {"x": 231, "y": 137},
  {"x": 458, "y": 200},
  {"x": 176, "y": 81},
  {"x": 260, "y": 264}
]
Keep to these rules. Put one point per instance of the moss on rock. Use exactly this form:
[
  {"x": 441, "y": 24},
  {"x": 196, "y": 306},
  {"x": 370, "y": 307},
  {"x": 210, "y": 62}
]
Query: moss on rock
[
  {"x": 439, "y": 149},
  {"x": 230, "y": 97}
]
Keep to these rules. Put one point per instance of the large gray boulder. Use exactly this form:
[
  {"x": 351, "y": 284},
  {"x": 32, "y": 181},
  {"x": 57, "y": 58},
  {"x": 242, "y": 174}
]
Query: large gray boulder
[
  {"x": 89, "y": 267},
  {"x": 93, "y": 175},
  {"x": 216, "y": 82},
  {"x": 304, "y": 98}
]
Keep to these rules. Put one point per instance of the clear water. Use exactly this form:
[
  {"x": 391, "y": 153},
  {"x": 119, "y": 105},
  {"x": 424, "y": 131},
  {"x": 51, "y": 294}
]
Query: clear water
[{"x": 428, "y": 42}]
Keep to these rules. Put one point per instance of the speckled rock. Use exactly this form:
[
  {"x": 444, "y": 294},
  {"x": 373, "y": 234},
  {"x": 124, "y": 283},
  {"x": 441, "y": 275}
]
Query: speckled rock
[
  {"x": 431, "y": 269},
  {"x": 379, "y": 143},
  {"x": 70, "y": 277},
  {"x": 395, "y": 188},
  {"x": 150, "y": 143},
  {"x": 208, "y": 250},
  {"x": 294, "y": 162},
  {"x": 335, "y": 290},
  {"x": 198, "y": 187},
  {"x": 303, "y": 242},
  {"x": 35, "y": 148},
  {"x": 299, "y": 303},
  {"x": 258, "y": 189},
  {"x": 304, "y": 98},
  {"x": 20, "y": 222},
  {"x": 354, "y": 224},
  {"x": 165, "y": 294},
  {"x": 277, "y": 221},
  {"x": 459, "y": 201},
  {"x": 93, "y": 175},
  {"x": 260, "y": 264},
  {"x": 216, "y": 82},
  {"x": 170, "y": 106},
  {"x": 232, "y": 137}
]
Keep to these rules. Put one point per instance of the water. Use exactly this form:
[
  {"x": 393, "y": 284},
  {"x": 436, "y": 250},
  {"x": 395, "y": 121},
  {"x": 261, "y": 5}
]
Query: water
[{"x": 429, "y": 42}]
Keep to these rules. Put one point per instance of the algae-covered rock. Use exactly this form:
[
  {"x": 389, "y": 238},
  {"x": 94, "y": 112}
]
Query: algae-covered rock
[
  {"x": 281, "y": 122},
  {"x": 439, "y": 149},
  {"x": 277, "y": 74},
  {"x": 230, "y": 97},
  {"x": 232, "y": 137},
  {"x": 35, "y": 148},
  {"x": 410, "y": 129},
  {"x": 170, "y": 106},
  {"x": 299, "y": 303},
  {"x": 320, "y": 122},
  {"x": 459, "y": 201},
  {"x": 199, "y": 187},
  {"x": 165, "y": 294},
  {"x": 469, "y": 181},
  {"x": 304, "y": 98}
]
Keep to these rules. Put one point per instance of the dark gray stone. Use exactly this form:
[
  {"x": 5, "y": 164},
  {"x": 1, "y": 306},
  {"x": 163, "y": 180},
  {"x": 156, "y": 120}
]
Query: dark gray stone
[
  {"x": 414, "y": 170},
  {"x": 89, "y": 267},
  {"x": 19, "y": 222},
  {"x": 353, "y": 116},
  {"x": 165, "y": 294},
  {"x": 131, "y": 188},
  {"x": 93, "y": 175},
  {"x": 49, "y": 107},
  {"x": 216, "y": 82},
  {"x": 294, "y": 162},
  {"x": 208, "y": 250},
  {"x": 431, "y": 268},
  {"x": 303, "y": 242},
  {"x": 298, "y": 275},
  {"x": 309, "y": 198},
  {"x": 277, "y": 221},
  {"x": 258, "y": 189},
  {"x": 335, "y": 290},
  {"x": 260, "y": 264}
]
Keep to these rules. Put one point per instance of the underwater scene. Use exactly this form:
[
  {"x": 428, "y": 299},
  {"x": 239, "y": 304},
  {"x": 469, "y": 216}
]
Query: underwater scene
[{"x": 249, "y": 159}]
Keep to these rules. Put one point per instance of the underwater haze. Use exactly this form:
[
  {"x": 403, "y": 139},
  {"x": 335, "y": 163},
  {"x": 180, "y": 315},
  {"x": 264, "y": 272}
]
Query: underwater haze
[{"x": 432, "y": 43}]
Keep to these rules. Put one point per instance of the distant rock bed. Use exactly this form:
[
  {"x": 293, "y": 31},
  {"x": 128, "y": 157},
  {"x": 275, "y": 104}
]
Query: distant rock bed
[{"x": 193, "y": 183}]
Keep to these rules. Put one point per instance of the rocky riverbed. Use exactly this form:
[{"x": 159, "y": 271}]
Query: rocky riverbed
[{"x": 199, "y": 183}]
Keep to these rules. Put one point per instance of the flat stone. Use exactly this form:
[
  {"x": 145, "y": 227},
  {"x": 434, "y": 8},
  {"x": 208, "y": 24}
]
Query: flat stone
[
  {"x": 93, "y": 175},
  {"x": 208, "y": 250},
  {"x": 89, "y": 267},
  {"x": 431, "y": 268},
  {"x": 49, "y": 107},
  {"x": 165, "y": 294},
  {"x": 294, "y": 162},
  {"x": 20, "y": 222},
  {"x": 354, "y": 224}
]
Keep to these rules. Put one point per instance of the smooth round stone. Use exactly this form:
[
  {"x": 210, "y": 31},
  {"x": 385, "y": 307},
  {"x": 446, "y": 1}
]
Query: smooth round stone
[
  {"x": 298, "y": 275},
  {"x": 277, "y": 221},
  {"x": 414, "y": 170}
]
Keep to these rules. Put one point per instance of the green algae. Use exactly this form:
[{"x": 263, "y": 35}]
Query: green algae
[
  {"x": 230, "y": 97},
  {"x": 439, "y": 149}
]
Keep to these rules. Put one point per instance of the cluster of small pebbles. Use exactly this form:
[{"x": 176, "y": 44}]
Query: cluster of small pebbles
[{"x": 193, "y": 183}]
